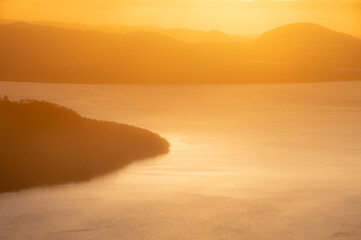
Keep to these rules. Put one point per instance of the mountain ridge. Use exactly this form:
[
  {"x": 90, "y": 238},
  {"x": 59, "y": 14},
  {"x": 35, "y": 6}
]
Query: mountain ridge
[
  {"x": 180, "y": 34},
  {"x": 39, "y": 53},
  {"x": 309, "y": 42}
]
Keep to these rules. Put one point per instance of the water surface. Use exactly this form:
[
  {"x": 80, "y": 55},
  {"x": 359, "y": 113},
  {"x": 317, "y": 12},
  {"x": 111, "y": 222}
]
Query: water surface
[{"x": 265, "y": 161}]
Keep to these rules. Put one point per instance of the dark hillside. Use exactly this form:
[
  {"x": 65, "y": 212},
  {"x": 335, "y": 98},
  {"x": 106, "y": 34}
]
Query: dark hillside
[{"x": 45, "y": 144}]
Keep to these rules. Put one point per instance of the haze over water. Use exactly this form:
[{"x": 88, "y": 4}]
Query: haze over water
[{"x": 263, "y": 161}]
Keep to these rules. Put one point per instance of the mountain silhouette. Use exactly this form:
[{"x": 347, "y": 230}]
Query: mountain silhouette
[
  {"x": 181, "y": 34},
  {"x": 6, "y": 21},
  {"x": 302, "y": 43},
  {"x": 292, "y": 53}
]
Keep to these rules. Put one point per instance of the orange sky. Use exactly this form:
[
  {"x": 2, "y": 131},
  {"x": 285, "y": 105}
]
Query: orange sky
[{"x": 232, "y": 16}]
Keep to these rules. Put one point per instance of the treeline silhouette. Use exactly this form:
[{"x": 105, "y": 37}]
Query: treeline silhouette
[
  {"x": 292, "y": 53},
  {"x": 44, "y": 144}
]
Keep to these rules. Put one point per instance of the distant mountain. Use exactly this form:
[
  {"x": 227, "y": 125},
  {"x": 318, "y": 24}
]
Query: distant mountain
[
  {"x": 185, "y": 35},
  {"x": 6, "y": 21},
  {"x": 201, "y": 36},
  {"x": 304, "y": 43},
  {"x": 293, "y": 53}
]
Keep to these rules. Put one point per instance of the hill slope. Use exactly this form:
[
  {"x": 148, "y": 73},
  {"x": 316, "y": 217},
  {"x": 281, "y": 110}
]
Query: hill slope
[
  {"x": 181, "y": 34},
  {"x": 308, "y": 43},
  {"x": 45, "y": 144},
  {"x": 293, "y": 53}
]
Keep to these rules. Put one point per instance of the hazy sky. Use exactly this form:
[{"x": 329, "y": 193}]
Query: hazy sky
[{"x": 234, "y": 16}]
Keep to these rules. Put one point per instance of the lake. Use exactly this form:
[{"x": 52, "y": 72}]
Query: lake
[{"x": 261, "y": 161}]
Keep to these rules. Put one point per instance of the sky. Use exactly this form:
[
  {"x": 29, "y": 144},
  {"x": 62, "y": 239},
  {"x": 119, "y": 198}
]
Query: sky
[{"x": 231, "y": 16}]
